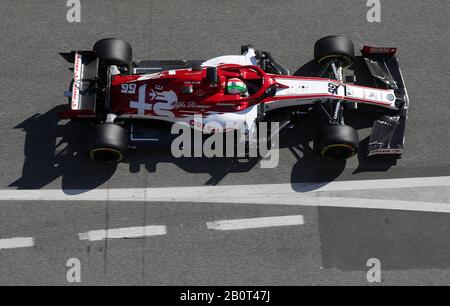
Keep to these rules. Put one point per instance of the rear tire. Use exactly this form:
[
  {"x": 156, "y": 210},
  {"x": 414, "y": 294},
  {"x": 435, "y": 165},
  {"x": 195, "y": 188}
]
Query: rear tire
[
  {"x": 107, "y": 142},
  {"x": 114, "y": 51},
  {"x": 337, "y": 142},
  {"x": 334, "y": 47}
]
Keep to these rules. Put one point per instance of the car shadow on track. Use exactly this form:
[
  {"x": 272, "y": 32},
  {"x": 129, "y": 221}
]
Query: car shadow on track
[{"x": 55, "y": 149}]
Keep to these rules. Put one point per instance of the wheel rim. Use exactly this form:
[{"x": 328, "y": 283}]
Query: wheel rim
[
  {"x": 338, "y": 152},
  {"x": 106, "y": 155}
]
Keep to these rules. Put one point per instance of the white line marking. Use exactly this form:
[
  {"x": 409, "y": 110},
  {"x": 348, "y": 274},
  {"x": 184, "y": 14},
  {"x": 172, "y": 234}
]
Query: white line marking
[
  {"x": 168, "y": 193},
  {"x": 238, "y": 224},
  {"x": 303, "y": 194},
  {"x": 124, "y": 232},
  {"x": 18, "y": 242}
]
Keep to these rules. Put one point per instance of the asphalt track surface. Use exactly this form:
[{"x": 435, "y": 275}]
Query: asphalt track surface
[{"x": 333, "y": 244}]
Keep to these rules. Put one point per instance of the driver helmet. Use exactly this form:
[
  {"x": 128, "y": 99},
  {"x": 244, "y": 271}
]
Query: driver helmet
[{"x": 236, "y": 86}]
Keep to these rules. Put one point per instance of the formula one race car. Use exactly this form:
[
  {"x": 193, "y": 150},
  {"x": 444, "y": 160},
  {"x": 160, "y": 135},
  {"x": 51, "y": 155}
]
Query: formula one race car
[{"x": 130, "y": 103}]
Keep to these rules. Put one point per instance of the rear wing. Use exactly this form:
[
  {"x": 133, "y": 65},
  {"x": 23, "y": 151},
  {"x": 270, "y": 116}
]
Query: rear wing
[
  {"x": 83, "y": 94},
  {"x": 388, "y": 132}
]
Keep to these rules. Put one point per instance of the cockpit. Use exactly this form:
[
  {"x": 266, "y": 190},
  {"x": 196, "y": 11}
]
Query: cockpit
[{"x": 239, "y": 82}]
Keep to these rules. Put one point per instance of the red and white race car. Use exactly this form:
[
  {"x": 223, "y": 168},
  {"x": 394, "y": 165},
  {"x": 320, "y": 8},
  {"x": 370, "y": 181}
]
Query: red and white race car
[{"x": 129, "y": 103}]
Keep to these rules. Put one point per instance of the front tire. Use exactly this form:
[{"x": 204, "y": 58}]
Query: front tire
[
  {"x": 337, "y": 142},
  {"x": 107, "y": 142},
  {"x": 334, "y": 47}
]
